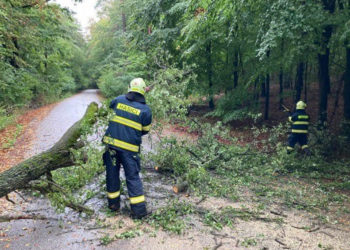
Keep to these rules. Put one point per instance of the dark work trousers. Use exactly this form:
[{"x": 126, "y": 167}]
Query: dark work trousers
[
  {"x": 297, "y": 138},
  {"x": 131, "y": 163}
]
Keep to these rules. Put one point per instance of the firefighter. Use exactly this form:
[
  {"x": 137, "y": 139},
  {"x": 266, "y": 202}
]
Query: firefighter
[
  {"x": 132, "y": 119},
  {"x": 300, "y": 123}
]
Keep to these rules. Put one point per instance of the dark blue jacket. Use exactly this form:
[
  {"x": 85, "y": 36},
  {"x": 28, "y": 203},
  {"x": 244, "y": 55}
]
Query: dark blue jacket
[
  {"x": 132, "y": 119},
  {"x": 300, "y": 122}
]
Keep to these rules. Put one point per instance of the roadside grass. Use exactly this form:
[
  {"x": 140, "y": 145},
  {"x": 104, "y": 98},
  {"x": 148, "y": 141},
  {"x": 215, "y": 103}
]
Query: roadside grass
[{"x": 6, "y": 119}]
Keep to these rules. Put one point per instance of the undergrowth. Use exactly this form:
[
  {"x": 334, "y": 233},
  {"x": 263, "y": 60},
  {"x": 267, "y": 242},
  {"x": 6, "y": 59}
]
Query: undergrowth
[{"x": 214, "y": 165}]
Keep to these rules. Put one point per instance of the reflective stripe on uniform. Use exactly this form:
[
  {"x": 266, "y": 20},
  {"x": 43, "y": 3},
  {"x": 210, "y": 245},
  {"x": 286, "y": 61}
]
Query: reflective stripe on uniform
[
  {"x": 127, "y": 122},
  {"x": 120, "y": 144},
  {"x": 128, "y": 109},
  {"x": 146, "y": 128},
  {"x": 137, "y": 199},
  {"x": 300, "y": 123},
  {"x": 304, "y": 146},
  {"x": 303, "y": 117},
  {"x": 290, "y": 119},
  {"x": 299, "y": 131},
  {"x": 113, "y": 195},
  {"x": 290, "y": 148}
]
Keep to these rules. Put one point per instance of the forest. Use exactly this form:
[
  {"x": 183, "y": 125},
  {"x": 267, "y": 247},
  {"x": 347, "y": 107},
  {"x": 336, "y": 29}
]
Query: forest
[{"x": 224, "y": 77}]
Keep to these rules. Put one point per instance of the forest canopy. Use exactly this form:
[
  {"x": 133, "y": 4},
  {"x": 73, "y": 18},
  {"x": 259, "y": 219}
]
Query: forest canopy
[
  {"x": 41, "y": 53},
  {"x": 239, "y": 49}
]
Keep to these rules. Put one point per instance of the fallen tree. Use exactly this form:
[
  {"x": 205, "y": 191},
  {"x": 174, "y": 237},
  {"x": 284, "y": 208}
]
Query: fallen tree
[{"x": 58, "y": 156}]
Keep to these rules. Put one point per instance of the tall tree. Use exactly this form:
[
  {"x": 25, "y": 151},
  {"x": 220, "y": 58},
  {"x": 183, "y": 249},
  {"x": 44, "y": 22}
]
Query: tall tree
[{"x": 323, "y": 61}]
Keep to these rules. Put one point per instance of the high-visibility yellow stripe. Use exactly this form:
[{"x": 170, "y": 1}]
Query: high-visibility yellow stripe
[
  {"x": 289, "y": 148},
  {"x": 303, "y": 117},
  {"x": 137, "y": 199},
  {"x": 300, "y": 123},
  {"x": 128, "y": 109},
  {"x": 113, "y": 195},
  {"x": 146, "y": 128},
  {"x": 127, "y": 122},
  {"x": 304, "y": 146},
  {"x": 290, "y": 119},
  {"x": 299, "y": 131},
  {"x": 120, "y": 144}
]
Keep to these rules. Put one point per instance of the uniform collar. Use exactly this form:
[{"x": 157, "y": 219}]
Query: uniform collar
[{"x": 135, "y": 97}]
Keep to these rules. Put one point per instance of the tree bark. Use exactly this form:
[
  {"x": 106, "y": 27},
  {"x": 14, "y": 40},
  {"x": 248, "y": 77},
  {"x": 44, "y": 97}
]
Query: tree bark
[
  {"x": 305, "y": 82},
  {"x": 346, "y": 95},
  {"x": 299, "y": 81},
  {"x": 180, "y": 186},
  {"x": 281, "y": 78},
  {"x": 323, "y": 62},
  {"x": 267, "y": 97},
  {"x": 267, "y": 92},
  {"x": 210, "y": 75},
  {"x": 263, "y": 88},
  {"x": 58, "y": 156},
  {"x": 281, "y": 89}
]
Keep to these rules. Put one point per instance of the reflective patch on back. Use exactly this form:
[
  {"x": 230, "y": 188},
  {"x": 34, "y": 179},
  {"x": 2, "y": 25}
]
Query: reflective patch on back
[
  {"x": 128, "y": 109},
  {"x": 303, "y": 117}
]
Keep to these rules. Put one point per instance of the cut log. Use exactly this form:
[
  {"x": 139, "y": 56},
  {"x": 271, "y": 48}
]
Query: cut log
[
  {"x": 180, "y": 187},
  {"x": 58, "y": 156}
]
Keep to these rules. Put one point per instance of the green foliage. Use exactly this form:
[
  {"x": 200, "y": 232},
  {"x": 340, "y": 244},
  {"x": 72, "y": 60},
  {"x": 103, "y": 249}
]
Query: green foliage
[
  {"x": 237, "y": 105},
  {"x": 168, "y": 97},
  {"x": 171, "y": 217},
  {"x": 5, "y": 118},
  {"x": 106, "y": 240},
  {"x": 249, "y": 242},
  {"x": 215, "y": 165},
  {"x": 88, "y": 162},
  {"x": 129, "y": 234},
  {"x": 42, "y": 57},
  {"x": 115, "y": 78}
]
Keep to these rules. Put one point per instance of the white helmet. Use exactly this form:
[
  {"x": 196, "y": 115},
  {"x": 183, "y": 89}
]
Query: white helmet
[{"x": 137, "y": 85}]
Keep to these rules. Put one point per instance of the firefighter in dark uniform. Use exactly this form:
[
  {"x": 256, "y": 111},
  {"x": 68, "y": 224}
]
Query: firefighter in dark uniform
[
  {"x": 132, "y": 119},
  {"x": 300, "y": 123}
]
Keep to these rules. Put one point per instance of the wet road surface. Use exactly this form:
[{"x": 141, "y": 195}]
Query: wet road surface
[
  {"x": 60, "y": 231},
  {"x": 61, "y": 118}
]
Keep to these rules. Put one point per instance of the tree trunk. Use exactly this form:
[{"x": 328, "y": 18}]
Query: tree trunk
[
  {"x": 263, "y": 88},
  {"x": 346, "y": 93},
  {"x": 323, "y": 62},
  {"x": 323, "y": 86},
  {"x": 299, "y": 81},
  {"x": 210, "y": 75},
  {"x": 305, "y": 82},
  {"x": 281, "y": 89},
  {"x": 13, "y": 60},
  {"x": 267, "y": 97},
  {"x": 58, "y": 156},
  {"x": 267, "y": 92}
]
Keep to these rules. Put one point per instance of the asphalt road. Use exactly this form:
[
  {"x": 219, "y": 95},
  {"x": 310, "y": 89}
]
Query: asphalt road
[
  {"x": 61, "y": 118},
  {"x": 59, "y": 231}
]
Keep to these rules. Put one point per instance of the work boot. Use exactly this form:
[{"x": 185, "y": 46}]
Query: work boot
[
  {"x": 114, "y": 205},
  {"x": 140, "y": 216}
]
